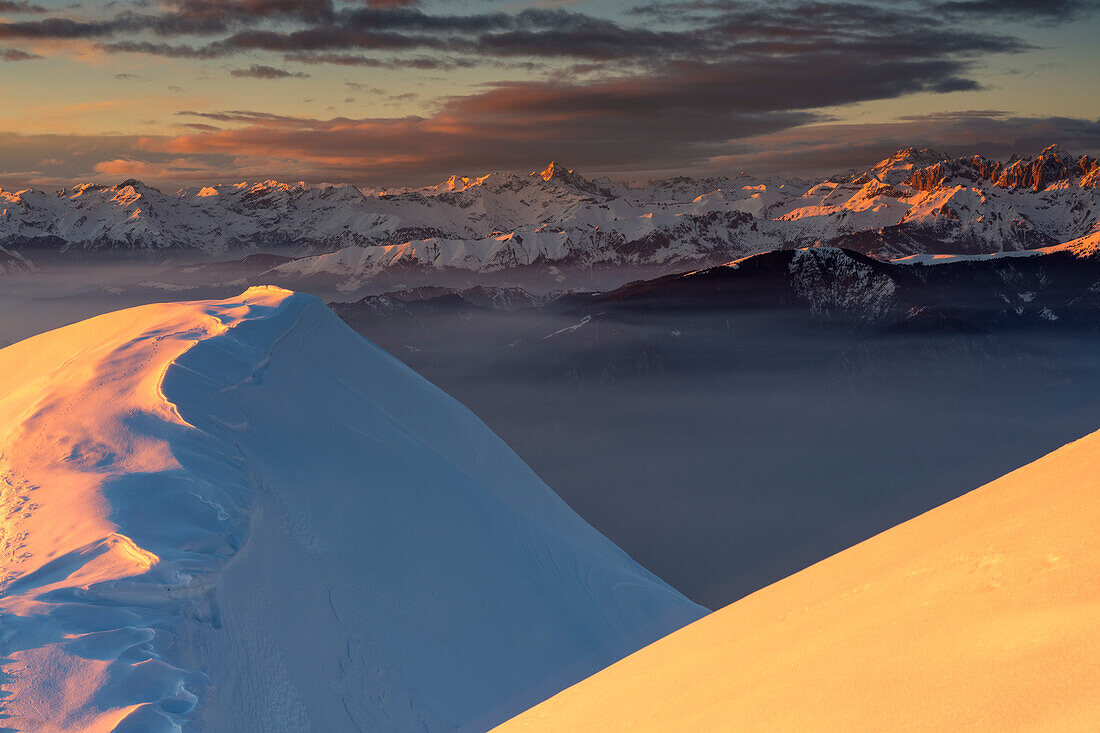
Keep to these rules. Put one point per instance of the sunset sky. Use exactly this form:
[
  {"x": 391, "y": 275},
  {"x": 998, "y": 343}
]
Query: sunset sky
[{"x": 177, "y": 92}]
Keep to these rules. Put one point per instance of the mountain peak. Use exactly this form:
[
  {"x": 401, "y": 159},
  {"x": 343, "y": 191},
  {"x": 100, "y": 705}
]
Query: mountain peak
[
  {"x": 1050, "y": 166},
  {"x": 555, "y": 171},
  {"x": 460, "y": 183},
  {"x": 549, "y": 171},
  {"x": 568, "y": 177},
  {"x": 915, "y": 153},
  {"x": 898, "y": 165}
]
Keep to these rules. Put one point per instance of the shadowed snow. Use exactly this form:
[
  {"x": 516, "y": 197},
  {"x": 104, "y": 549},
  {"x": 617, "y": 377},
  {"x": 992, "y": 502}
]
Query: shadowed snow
[{"x": 240, "y": 513}]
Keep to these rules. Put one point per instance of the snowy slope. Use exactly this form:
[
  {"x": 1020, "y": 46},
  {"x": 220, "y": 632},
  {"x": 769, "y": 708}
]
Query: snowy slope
[
  {"x": 239, "y": 515},
  {"x": 982, "y": 614},
  {"x": 915, "y": 201}
]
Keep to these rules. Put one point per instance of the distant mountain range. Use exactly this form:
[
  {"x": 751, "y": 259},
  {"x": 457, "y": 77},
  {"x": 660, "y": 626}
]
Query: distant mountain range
[
  {"x": 1058, "y": 284},
  {"x": 857, "y": 308},
  {"x": 915, "y": 201},
  {"x": 1054, "y": 287}
]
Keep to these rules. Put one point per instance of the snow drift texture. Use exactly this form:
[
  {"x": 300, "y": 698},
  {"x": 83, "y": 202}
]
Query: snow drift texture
[
  {"x": 239, "y": 515},
  {"x": 982, "y": 614}
]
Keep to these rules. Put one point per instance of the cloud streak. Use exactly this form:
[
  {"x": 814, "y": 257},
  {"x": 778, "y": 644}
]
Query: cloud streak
[
  {"x": 16, "y": 7},
  {"x": 234, "y": 145},
  {"x": 700, "y": 30},
  {"x": 259, "y": 71},
  {"x": 15, "y": 54},
  {"x": 1043, "y": 10},
  {"x": 685, "y": 116},
  {"x": 669, "y": 85}
]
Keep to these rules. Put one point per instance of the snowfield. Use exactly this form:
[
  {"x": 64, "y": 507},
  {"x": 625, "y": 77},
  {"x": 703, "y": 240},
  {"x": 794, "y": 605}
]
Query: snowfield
[
  {"x": 239, "y": 515},
  {"x": 982, "y": 614}
]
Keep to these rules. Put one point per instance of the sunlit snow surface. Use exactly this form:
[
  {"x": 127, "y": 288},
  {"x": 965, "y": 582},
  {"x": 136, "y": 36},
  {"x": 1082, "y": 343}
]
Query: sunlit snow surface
[
  {"x": 982, "y": 614},
  {"x": 239, "y": 515}
]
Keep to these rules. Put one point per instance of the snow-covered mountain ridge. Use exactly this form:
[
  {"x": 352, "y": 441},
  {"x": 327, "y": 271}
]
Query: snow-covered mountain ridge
[
  {"x": 915, "y": 201},
  {"x": 1052, "y": 287},
  {"x": 240, "y": 515}
]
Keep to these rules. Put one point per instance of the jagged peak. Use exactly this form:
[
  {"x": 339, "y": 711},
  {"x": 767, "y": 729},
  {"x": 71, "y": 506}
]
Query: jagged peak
[
  {"x": 549, "y": 171},
  {"x": 916, "y": 157},
  {"x": 458, "y": 182},
  {"x": 1051, "y": 165},
  {"x": 273, "y": 185},
  {"x": 915, "y": 153},
  {"x": 894, "y": 168},
  {"x": 556, "y": 173},
  {"x": 80, "y": 189},
  {"x": 909, "y": 158},
  {"x": 1055, "y": 150}
]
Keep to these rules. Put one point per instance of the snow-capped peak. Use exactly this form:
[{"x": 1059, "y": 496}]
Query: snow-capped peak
[
  {"x": 894, "y": 169},
  {"x": 567, "y": 176}
]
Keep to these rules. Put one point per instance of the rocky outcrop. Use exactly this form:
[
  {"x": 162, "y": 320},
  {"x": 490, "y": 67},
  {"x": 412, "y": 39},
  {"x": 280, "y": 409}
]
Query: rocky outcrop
[
  {"x": 964, "y": 170},
  {"x": 1036, "y": 173}
]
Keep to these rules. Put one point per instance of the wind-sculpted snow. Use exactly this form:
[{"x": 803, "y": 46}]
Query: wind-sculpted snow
[
  {"x": 238, "y": 515},
  {"x": 915, "y": 201}
]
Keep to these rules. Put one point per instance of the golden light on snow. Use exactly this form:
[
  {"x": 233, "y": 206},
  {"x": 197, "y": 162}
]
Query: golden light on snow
[
  {"x": 982, "y": 614},
  {"x": 65, "y": 439}
]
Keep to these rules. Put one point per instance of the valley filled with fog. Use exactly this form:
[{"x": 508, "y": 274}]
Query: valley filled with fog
[
  {"x": 727, "y": 451},
  {"x": 722, "y": 446}
]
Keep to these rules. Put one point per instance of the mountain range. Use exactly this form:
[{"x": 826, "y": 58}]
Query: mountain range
[
  {"x": 826, "y": 289},
  {"x": 915, "y": 201}
]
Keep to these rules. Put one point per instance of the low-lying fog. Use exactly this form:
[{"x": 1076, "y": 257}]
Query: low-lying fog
[
  {"x": 747, "y": 451},
  {"x": 59, "y": 291},
  {"x": 58, "y": 294},
  {"x": 723, "y": 453}
]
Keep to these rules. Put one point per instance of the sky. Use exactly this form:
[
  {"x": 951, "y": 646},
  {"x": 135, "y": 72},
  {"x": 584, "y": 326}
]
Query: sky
[{"x": 407, "y": 92}]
